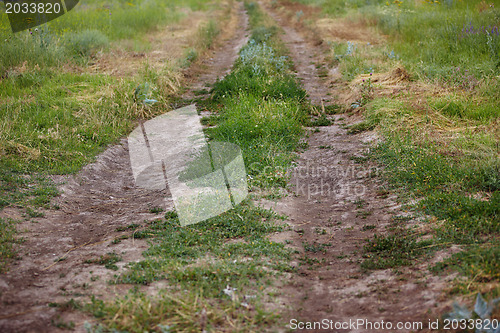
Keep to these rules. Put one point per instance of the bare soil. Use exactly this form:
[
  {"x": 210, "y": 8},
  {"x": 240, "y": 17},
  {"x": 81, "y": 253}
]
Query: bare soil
[{"x": 54, "y": 260}]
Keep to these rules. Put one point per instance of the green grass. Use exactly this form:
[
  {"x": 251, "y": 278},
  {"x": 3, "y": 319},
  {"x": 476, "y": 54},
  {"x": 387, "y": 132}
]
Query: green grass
[
  {"x": 436, "y": 35},
  {"x": 18, "y": 190},
  {"x": 268, "y": 131},
  {"x": 462, "y": 193},
  {"x": 108, "y": 260},
  {"x": 183, "y": 312},
  {"x": 52, "y": 121},
  {"x": 69, "y": 119},
  {"x": 87, "y": 28},
  {"x": 322, "y": 120},
  {"x": 480, "y": 263},
  {"x": 400, "y": 248},
  {"x": 175, "y": 247},
  {"x": 316, "y": 247},
  {"x": 361, "y": 127},
  {"x": 260, "y": 105},
  {"x": 7, "y": 240},
  {"x": 419, "y": 34}
]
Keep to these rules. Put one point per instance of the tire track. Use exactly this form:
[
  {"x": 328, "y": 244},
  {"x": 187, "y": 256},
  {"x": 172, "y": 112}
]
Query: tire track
[
  {"x": 94, "y": 203},
  {"x": 336, "y": 204}
]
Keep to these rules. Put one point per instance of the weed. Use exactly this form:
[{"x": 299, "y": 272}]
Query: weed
[
  {"x": 179, "y": 312},
  {"x": 69, "y": 305},
  {"x": 7, "y": 232},
  {"x": 108, "y": 260},
  {"x": 34, "y": 213},
  {"x": 363, "y": 214},
  {"x": 366, "y": 91},
  {"x": 368, "y": 227},
  {"x": 320, "y": 121},
  {"x": 398, "y": 249},
  {"x": 156, "y": 210},
  {"x": 131, "y": 226},
  {"x": 333, "y": 109},
  {"x": 479, "y": 263},
  {"x": 59, "y": 323},
  {"x": 360, "y": 203},
  {"x": 85, "y": 43},
  {"x": 360, "y": 127},
  {"x": 316, "y": 247}
]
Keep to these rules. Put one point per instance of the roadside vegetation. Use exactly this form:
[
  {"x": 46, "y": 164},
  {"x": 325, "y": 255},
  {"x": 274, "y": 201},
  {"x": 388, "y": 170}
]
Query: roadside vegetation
[
  {"x": 431, "y": 89},
  {"x": 56, "y": 114}
]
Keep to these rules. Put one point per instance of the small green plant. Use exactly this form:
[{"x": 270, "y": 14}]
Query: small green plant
[
  {"x": 142, "y": 94},
  {"x": 299, "y": 14},
  {"x": 333, "y": 109},
  {"x": 7, "y": 240},
  {"x": 482, "y": 310},
  {"x": 366, "y": 91},
  {"x": 108, "y": 260},
  {"x": 368, "y": 227},
  {"x": 361, "y": 127},
  {"x": 131, "y": 226},
  {"x": 34, "y": 213},
  {"x": 316, "y": 247},
  {"x": 398, "y": 249},
  {"x": 322, "y": 120},
  {"x": 360, "y": 203},
  {"x": 191, "y": 56},
  {"x": 156, "y": 210},
  {"x": 59, "y": 323},
  {"x": 85, "y": 43}
]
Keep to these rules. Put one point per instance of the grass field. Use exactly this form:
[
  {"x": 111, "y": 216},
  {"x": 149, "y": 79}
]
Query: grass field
[{"x": 440, "y": 129}]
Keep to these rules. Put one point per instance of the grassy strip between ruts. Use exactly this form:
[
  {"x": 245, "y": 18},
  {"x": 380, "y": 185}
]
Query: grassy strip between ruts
[{"x": 216, "y": 270}]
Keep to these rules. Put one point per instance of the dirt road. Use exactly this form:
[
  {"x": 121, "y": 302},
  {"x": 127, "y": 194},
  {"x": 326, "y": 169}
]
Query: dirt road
[
  {"x": 337, "y": 204},
  {"x": 57, "y": 259}
]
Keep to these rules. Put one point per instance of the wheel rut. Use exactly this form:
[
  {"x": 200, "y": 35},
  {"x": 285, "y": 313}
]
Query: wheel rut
[
  {"x": 54, "y": 262},
  {"x": 337, "y": 203}
]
